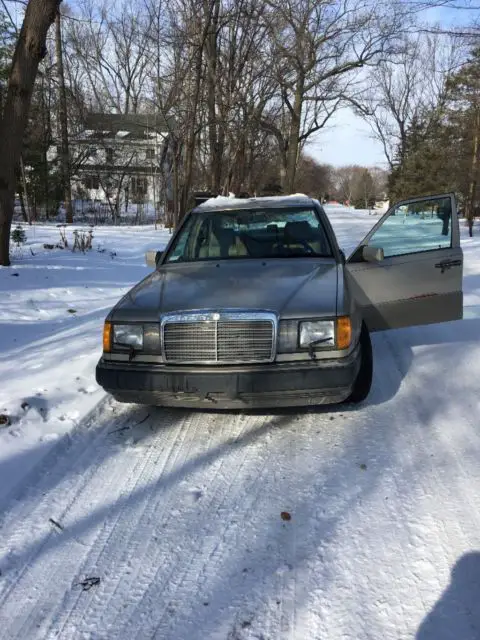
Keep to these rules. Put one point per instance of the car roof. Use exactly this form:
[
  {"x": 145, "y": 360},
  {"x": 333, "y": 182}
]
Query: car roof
[{"x": 224, "y": 203}]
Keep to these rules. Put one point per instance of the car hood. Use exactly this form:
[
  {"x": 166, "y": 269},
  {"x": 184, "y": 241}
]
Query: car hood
[{"x": 294, "y": 287}]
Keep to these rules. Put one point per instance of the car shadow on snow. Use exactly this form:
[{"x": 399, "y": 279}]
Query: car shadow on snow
[
  {"x": 393, "y": 354},
  {"x": 456, "y": 615}
]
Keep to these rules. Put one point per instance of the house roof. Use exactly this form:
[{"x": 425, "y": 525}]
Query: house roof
[{"x": 134, "y": 124}]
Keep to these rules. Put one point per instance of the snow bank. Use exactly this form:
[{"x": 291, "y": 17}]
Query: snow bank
[{"x": 53, "y": 306}]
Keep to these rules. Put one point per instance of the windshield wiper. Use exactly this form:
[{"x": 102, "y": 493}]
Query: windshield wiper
[{"x": 303, "y": 254}]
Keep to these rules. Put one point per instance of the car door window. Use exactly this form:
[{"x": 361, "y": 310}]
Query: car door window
[{"x": 415, "y": 227}]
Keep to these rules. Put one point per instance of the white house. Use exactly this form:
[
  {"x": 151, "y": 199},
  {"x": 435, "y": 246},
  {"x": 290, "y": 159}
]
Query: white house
[{"x": 117, "y": 160}]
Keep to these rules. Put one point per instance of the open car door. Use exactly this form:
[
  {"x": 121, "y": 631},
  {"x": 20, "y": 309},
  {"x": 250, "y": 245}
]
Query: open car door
[{"x": 408, "y": 269}]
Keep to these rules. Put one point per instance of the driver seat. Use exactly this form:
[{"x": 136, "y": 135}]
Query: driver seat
[{"x": 295, "y": 234}]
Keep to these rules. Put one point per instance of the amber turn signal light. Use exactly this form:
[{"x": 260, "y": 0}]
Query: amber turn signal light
[
  {"x": 107, "y": 337},
  {"x": 344, "y": 332}
]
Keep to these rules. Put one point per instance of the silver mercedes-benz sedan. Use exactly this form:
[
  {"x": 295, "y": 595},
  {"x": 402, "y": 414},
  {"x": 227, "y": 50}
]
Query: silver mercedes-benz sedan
[{"x": 253, "y": 304}]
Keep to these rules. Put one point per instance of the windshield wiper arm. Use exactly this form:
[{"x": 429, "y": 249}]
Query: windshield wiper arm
[
  {"x": 303, "y": 255},
  {"x": 132, "y": 352},
  {"x": 312, "y": 345}
]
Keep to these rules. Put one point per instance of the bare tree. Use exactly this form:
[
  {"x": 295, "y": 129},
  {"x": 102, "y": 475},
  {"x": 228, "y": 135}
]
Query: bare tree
[
  {"x": 110, "y": 45},
  {"x": 313, "y": 179},
  {"x": 243, "y": 90},
  {"x": 406, "y": 87},
  {"x": 317, "y": 49},
  {"x": 344, "y": 180},
  {"x": 29, "y": 51}
]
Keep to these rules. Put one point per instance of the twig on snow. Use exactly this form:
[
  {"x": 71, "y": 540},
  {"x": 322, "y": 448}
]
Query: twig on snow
[
  {"x": 88, "y": 583},
  {"x": 56, "y": 524},
  {"x": 127, "y": 427},
  {"x": 120, "y": 429},
  {"x": 144, "y": 420}
]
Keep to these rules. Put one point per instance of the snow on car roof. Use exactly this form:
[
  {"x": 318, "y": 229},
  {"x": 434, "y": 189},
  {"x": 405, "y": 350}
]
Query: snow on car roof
[{"x": 230, "y": 202}]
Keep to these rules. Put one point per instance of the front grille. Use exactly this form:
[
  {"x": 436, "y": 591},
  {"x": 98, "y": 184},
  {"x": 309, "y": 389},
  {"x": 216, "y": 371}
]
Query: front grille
[{"x": 216, "y": 338}]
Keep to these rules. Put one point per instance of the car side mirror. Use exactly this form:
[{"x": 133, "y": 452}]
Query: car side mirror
[
  {"x": 152, "y": 258},
  {"x": 373, "y": 254}
]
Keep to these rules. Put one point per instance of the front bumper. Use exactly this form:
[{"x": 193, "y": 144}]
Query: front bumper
[{"x": 253, "y": 386}]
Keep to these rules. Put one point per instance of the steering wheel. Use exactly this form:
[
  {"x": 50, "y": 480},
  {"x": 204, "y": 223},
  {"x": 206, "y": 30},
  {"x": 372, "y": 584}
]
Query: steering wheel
[{"x": 308, "y": 249}]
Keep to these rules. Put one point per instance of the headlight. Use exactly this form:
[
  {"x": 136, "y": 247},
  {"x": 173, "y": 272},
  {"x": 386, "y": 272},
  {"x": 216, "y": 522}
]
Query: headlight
[
  {"x": 295, "y": 335},
  {"x": 319, "y": 333},
  {"x": 128, "y": 335}
]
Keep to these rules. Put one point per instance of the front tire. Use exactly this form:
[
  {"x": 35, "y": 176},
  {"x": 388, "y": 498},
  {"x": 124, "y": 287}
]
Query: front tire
[{"x": 363, "y": 381}]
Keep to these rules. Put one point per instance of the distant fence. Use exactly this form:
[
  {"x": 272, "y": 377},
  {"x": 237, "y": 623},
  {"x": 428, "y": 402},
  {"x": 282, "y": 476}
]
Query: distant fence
[{"x": 94, "y": 213}]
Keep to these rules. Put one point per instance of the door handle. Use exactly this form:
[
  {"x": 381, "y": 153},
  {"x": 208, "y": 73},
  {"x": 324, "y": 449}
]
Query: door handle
[{"x": 448, "y": 264}]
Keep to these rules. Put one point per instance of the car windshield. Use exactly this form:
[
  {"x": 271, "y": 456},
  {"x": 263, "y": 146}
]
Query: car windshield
[{"x": 251, "y": 233}]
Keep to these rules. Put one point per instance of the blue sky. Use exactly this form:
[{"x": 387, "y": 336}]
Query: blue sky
[{"x": 348, "y": 139}]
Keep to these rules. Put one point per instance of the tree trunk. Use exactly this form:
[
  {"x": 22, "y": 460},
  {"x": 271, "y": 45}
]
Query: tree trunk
[
  {"x": 45, "y": 145},
  {"x": 212, "y": 11},
  {"x": 472, "y": 188},
  {"x": 29, "y": 51},
  {"x": 192, "y": 136},
  {"x": 23, "y": 193},
  {"x": 294, "y": 137},
  {"x": 22, "y": 207},
  {"x": 176, "y": 188},
  {"x": 63, "y": 122}
]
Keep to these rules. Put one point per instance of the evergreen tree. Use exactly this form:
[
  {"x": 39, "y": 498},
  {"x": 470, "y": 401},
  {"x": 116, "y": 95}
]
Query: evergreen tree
[
  {"x": 442, "y": 152},
  {"x": 426, "y": 166}
]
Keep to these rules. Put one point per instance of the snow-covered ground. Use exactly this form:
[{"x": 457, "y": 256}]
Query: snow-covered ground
[
  {"x": 178, "y": 513},
  {"x": 53, "y": 306}
]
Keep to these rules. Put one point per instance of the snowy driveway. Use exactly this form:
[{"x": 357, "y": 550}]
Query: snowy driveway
[{"x": 179, "y": 513}]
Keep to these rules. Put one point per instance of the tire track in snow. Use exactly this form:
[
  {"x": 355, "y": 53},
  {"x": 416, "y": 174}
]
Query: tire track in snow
[
  {"x": 180, "y": 575},
  {"x": 55, "y": 556},
  {"x": 250, "y": 610},
  {"x": 61, "y": 475},
  {"x": 186, "y": 574},
  {"x": 244, "y": 480},
  {"x": 127, "y": 520},
  {"x": 128, "y": 537},
  {"x": 107, "y": 535},
  {"x": 88, "y": 452}
]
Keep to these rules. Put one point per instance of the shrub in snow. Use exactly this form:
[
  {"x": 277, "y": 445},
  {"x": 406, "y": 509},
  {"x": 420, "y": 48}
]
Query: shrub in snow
[
  {"x": 18, "y": 235},
  {"x": 63, "y": 236},
  {"x": 82, "y": 240}
]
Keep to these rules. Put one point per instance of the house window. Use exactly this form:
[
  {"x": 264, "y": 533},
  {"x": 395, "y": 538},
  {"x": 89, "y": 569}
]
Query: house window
[
  {"x": 91, "y": 182},
  {"x": 109, "y": 154},
  {"x": 139, "y": 186},
  {"x": 150, "y": 154}
]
